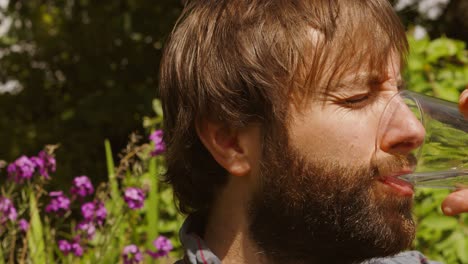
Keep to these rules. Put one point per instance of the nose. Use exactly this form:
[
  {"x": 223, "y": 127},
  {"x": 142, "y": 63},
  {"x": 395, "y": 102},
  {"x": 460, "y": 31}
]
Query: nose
[{"x": 402, "y": 132}]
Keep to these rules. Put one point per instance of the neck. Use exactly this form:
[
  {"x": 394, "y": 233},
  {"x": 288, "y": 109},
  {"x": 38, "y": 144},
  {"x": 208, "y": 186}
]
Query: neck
[{"x": 226, "y": 232}]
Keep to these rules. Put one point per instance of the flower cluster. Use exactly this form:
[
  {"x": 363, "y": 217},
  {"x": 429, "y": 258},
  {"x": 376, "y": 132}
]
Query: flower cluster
[
  {"x": 82, "y": 187},
  {"x": 88, "y": 228},
  {"x": 159, "y": 146},
  {"x": 134, "y": 197},
  {"x": 62, "y": 204},
  {"x": 23, "y": 225},
  {"x": 59, "y": 203},
  {"x": 163, "y": 246},
  {"x": 94, "y": 213},
  {"x": 23, "y": 168},
  {"x": 131, "y": 254},
  {"x": 74, "y": 247},
  {"x": 45, "y": 163},
  {"x": 7, "y": 210}
]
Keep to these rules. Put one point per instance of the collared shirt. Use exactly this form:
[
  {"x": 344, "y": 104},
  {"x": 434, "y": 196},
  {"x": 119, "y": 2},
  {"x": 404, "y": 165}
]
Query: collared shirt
[{"x": 197, "y": 252}]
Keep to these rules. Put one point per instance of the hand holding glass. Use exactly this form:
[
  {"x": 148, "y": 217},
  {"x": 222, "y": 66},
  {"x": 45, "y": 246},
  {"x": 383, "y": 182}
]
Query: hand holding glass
[{"x": 442, "y": 159}]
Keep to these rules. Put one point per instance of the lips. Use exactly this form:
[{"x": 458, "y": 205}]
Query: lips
[{"x": 397, "y": 185}]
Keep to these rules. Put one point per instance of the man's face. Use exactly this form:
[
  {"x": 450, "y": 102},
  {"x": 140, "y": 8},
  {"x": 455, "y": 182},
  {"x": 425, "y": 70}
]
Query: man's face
[{"x": 328, "y": 195}]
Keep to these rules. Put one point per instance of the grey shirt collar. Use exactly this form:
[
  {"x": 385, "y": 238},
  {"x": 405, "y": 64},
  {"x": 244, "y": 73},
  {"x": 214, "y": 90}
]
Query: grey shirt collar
[{"x": 196, "y": 251}]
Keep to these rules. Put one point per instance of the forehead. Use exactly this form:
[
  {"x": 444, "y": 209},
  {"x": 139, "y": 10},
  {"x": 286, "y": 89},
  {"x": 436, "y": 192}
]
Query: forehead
[{"x": 370, "y": 77}]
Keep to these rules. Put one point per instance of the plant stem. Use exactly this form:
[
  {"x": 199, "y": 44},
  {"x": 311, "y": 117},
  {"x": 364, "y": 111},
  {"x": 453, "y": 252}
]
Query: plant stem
[{"x": 13, "y": 246}]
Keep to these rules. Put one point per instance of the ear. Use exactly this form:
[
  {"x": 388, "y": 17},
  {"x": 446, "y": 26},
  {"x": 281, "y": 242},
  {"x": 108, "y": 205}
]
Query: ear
[{"x": 234, "y": 149}]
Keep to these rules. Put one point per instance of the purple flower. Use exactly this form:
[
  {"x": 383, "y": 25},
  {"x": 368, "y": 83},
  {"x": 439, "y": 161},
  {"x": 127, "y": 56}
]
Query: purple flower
[
  {"x": 45, "y": 162},
  {"x": 87, "y": 210},
  {"x": 131, "y": 254},
  {"x": 134, "y": 197},
  {"x": 7, "y": 210},
  {"x": 88, "y": 227},
  {"x": 66, "y": 247},
  {"x": 94, "y": 212},
  {"x": 21, "y": 169},
  {"x": 77, "y": 249},
  {"x": 23, "y": 225},
  {"x": 101, "y": 213},
  {"x": 159, "y": 145},
  {"x": 82, "y": 186},
  {"x": 59, "y": 202},
  {"x": 163, "y": 246}
]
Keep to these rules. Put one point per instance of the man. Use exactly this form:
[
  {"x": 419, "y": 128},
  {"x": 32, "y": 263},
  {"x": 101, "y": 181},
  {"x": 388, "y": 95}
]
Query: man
[{"x": 271, "y": 110}]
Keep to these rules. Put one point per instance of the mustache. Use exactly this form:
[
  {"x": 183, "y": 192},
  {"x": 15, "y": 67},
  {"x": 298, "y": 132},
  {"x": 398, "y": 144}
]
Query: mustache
[{"x": 393, "y": 164}]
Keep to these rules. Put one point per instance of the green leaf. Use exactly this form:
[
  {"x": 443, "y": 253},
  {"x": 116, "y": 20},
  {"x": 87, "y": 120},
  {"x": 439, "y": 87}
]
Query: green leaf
[
  {"x": 48, "y": 240},
  {"x": 446, "y": 93},
  {"x": 157, "y": 107},
  {"x": 440, "y": 222},
  {"x": 462, "y": 249},
  {"x": 418, "y": 46},
  {"x": 115, "y": 193},
  {"x": 448, "y": 243},
  {"x": 441, "y": 47},
  {"x": 416, "y": 62},
  {"x": 425, "y": 207},
  {"x": 152, "y": 203},
  {"x": 36, "y": 242}
]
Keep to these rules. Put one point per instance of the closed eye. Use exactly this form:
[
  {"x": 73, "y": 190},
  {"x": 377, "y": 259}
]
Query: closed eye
[{"x": 357, "y": 100}]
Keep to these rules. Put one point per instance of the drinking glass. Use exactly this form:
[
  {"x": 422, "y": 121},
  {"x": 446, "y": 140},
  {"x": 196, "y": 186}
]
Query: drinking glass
[{"x": 442, "y": 159}]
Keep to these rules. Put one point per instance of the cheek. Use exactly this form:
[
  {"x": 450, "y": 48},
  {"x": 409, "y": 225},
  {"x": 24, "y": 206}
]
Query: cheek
[
  {"x": 360, "y": 142},
  {"x": 348, "y": 138}
]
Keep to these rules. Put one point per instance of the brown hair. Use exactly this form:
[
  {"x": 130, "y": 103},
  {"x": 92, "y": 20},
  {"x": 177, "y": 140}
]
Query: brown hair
[{"x": 242, "y": 61}]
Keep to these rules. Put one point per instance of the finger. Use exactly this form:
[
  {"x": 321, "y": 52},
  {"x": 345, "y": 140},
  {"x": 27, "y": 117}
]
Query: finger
[
  {"x": 456, "y": 203},
  {"x": 463, "y": 103}
]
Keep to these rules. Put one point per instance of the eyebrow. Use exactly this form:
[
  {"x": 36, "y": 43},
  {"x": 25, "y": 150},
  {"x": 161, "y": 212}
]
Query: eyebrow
[{"x": 366, "y": 78}]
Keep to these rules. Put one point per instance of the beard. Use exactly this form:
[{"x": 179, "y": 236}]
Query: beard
[{"x": 321, "y": 211}]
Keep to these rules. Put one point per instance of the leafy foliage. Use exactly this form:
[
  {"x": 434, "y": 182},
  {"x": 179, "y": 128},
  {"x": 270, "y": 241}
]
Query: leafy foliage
[{"x": 439, "y": 68}]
